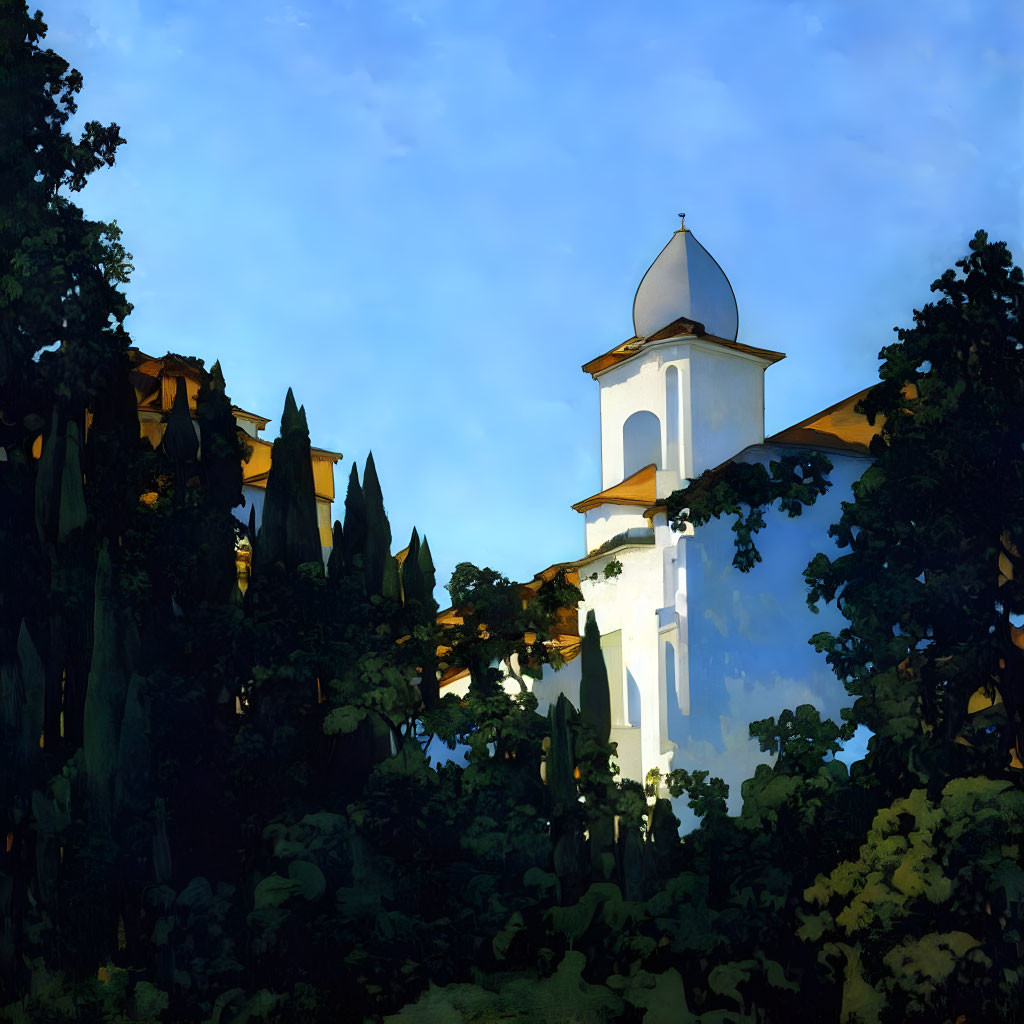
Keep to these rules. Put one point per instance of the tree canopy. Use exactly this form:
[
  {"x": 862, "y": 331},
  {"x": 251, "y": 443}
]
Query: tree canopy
[
  {"x": 223, "y": 808},
  {"x": 932, "y": 583}
]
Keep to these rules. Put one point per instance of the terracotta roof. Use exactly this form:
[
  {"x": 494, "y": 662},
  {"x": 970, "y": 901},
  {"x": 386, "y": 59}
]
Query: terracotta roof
[
  {"x": 638, "y": 489},
  {"x": 678, "y": 328},
  {"x": 189, "y": 366},
  {"x": 837, "y": 427}
]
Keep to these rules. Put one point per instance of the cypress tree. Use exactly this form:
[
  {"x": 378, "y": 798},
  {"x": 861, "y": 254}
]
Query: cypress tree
[
  {"x": 220, "y": 466},
  {"x": 48, "y": 472},
  {"x": 47, "y": 516},
  {"x": 354, "y": 534},
  {"x": 303, "y": 528},
  {"x": 595, "y": 699},
  {"x": 391, "y": 585},
  {"x": 180, "y": 441},
  {"x": 428, "y": 572},
  {"x": 105, "y": 696},
  {"x": 424, "y": 576},
  {"x": 220, "y": 470},
  {"x": 595, "y": 711},
  {"x": 378, "y": 532},
  {"x": 413, "y": 583},
  {"x": 115, "y": 458},
  {"x": 336, "y": 559},
  {"x": 73, "y": 512},
  {"x": 566, "y": 827},
  {"x": 289, "y": 534},
  {"x": 24, "y": 699}
]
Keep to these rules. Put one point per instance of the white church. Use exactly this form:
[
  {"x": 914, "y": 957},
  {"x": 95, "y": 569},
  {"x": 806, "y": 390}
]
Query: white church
[{"x": 695, "y": 649}]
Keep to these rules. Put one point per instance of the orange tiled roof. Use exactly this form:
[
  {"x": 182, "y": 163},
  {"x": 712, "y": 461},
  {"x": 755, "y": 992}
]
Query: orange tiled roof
[
  {"x": 678, "y": 328},
  {"x": 638, "y": 489},
  {"x": 838, "y": 427}
]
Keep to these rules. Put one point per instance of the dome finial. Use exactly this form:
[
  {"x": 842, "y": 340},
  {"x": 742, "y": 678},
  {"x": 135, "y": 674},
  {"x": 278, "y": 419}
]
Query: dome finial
[{"x": 682, "y": 221}]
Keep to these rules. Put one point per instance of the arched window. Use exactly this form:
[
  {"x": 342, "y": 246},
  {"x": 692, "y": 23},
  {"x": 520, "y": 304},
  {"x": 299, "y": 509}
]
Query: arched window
[
  {"x": 672, "y": 418},
  {"x": 641, "y": 442}
]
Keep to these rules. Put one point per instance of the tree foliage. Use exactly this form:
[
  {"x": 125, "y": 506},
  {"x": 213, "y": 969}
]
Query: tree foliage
[
  {"x": 224, "y": 808},
  {"x": 793, "y": 481},
  {"x": 931, "y": 583}
]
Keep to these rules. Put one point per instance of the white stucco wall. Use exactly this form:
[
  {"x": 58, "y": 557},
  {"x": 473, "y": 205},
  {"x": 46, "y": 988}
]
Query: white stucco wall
[
  {"x": 726, "y": 406},
  {"x": 746, "y": 650},
  {"x": 606, "y": 521},
  {"x": 632, "y": 386},
  {"x": 717, "y": 405},
  {"x": 697, "y": 650},
  {"x": 627, "y": 604}
]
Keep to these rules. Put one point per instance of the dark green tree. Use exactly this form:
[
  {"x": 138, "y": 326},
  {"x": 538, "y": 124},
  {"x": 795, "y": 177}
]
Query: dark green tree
[
  {"x": 336, "y": 559},
  {"x": 413, "y": 582},
  {"x": 377, "y": 547},
  {"x": 932, "y": 581},
  {"x": 180, "y": 441},
  {"x": 62, "y": 348},
  {"x": 59, "y": 272},
  {"x": 355, "y": 524},
  {"x": 426, "y": 563},
  {"x": 289, "y": 534},
  {"x": 220, "y": 473},
  {"x": 222, "y": 452},
  {"x": 595, "y": 698},
  {"x": 747, "y": 490}
]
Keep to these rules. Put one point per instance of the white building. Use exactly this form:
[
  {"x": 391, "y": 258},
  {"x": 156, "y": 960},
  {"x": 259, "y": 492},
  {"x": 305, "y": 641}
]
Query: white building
[{"x": 695, "y": 649}]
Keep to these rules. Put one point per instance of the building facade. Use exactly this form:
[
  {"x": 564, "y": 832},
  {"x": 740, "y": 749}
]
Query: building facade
[{"x": 695, "y": 649}]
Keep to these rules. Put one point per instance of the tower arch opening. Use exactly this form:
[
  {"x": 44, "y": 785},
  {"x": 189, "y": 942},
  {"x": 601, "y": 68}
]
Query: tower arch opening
[{"x": 641, "y": 442}]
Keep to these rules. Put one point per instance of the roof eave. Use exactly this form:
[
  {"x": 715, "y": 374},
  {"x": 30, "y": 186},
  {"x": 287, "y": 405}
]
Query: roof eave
[{"x": 677, "y": 330}]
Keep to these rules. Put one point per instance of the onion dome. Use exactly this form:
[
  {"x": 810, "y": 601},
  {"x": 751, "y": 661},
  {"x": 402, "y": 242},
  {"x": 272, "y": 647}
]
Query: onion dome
[{"x": 685, "y": 281}]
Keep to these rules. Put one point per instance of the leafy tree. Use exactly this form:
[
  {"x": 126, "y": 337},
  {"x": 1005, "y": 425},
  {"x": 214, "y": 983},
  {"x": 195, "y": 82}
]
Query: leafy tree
[
  {"x": 928, "y": 587},
  {"x": 503, "y": 633},
  {"x": 221, "y": 809},
  {"x": 62, "y": 347},
  {"x": 923, "y": 920},
  {"x": 794, "y": 481},
  {"x": 932, "y": 581},
  {"x": 59, "y": 272}
]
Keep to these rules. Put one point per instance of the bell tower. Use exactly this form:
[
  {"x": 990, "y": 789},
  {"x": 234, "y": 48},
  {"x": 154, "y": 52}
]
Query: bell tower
[{"x": 682, "y": 394}]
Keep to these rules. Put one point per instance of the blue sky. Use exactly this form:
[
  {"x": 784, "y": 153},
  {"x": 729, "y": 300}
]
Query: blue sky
[{"x": 424, "y": 216}]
